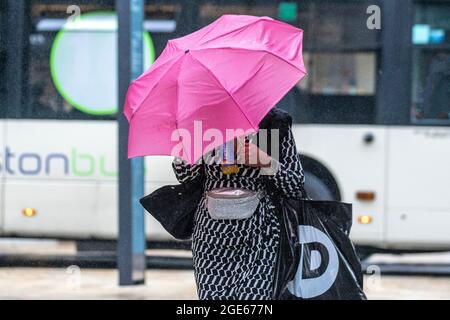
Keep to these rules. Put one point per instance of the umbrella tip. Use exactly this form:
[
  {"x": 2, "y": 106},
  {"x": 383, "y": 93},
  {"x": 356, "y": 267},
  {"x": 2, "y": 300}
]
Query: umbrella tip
[{"x": 186, "y": 51}]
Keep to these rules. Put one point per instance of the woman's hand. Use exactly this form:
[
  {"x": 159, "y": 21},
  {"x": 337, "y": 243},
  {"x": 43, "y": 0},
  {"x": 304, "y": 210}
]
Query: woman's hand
[{"x": 250, "y": 155}]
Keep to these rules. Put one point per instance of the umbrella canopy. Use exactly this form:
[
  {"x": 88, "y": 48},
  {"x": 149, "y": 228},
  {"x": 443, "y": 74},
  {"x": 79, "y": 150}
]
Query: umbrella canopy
[{"x": 206, "y": 85}]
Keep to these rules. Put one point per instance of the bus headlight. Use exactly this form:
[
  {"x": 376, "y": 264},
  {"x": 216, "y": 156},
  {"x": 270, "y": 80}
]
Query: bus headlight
[
  {"x": 29, "y": 212},
  {"x": 365, "y": 219}
]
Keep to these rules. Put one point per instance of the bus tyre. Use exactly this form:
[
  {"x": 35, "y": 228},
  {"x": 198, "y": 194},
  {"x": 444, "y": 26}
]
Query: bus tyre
[{"x": 316, "y": 188}]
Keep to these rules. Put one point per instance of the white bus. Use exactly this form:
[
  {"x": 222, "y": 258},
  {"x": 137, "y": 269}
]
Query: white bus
[{"x": 371, "y": 119}]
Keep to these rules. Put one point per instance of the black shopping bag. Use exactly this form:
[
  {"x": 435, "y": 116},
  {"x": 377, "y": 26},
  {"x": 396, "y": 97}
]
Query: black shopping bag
[{"x": 316, "y": 258}]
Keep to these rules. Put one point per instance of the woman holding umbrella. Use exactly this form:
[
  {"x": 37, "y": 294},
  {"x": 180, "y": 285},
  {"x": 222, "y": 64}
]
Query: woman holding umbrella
[
  {"x": 227, "y": 75},
  {"x": 235, "y": 259}
]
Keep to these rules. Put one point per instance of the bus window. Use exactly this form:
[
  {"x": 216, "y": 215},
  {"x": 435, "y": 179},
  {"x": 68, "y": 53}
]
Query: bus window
[
  {"x": 342, "y": 59},
  {"x": 3, "y": 25},
  {"x": 431, "y": 62},
  {"x": 343, "y": 74},
  {"x": 340, "y": 88},
  {"x": 72, "y": 62},
  {"x": 340, "y": 54}
]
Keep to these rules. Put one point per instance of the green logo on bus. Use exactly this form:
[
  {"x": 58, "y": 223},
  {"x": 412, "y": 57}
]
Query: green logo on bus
[{"x": 83, "y": 62}]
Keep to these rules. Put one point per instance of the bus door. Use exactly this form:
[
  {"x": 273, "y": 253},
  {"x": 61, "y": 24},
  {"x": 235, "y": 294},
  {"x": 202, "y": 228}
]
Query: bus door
[
  {"x": 419, "y": 155},
  {"x": 2, "y": 173},
  {"x": 419, "y": 185}
]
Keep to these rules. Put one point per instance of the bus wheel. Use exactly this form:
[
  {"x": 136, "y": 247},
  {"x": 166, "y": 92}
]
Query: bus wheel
[
  {"x": 319, "y": 181},
  {"x": 316, "y": 188}
]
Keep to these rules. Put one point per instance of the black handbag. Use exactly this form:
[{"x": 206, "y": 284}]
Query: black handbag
[
  {"x": 174, "y": 207},
  {"x": 316, "y": 259}
]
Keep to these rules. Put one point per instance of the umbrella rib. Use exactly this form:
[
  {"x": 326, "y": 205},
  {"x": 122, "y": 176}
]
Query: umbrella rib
[{"x": 223, "y": 88}]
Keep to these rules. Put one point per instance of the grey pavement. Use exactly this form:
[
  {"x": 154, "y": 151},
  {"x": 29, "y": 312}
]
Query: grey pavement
[{"x": 76, "y": 283}]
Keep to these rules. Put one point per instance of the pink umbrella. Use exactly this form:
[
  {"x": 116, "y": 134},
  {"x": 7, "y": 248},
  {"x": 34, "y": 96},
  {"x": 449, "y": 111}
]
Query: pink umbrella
[{"x": 223, "y": 77}]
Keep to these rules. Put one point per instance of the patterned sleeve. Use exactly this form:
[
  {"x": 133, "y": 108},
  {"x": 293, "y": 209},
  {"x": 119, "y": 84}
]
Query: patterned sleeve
[
  {"x": 185, "y": 172},
  {"x": 287, "y": 173}
]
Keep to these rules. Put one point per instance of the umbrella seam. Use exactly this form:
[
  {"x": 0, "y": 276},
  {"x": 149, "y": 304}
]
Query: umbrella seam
[
  {"x": 210, "y": 30},
  {"x": 275, "y": 55},
  {"x": 178, "y": 108},
  {"x": 260, "y": 50},
  {"x": 231, "y": 31},
  {"x": 261, "y": 19},
  {"x": 157, "y": 82},
  {"x": 231, "y": 96}
]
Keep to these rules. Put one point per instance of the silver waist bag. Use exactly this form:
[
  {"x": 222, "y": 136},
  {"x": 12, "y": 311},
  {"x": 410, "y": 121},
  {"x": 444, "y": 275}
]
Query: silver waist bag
[{"x": 232, "y": 203}]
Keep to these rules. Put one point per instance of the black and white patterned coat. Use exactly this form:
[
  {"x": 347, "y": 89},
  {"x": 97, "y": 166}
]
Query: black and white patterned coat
[{"x": 235, "y": 259}]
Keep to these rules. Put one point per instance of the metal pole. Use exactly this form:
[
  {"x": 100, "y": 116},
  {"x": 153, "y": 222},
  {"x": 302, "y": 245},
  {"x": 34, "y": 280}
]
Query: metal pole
[
  {"x": 131, "y": 242},
  {"x": 16, "y": 65}
]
